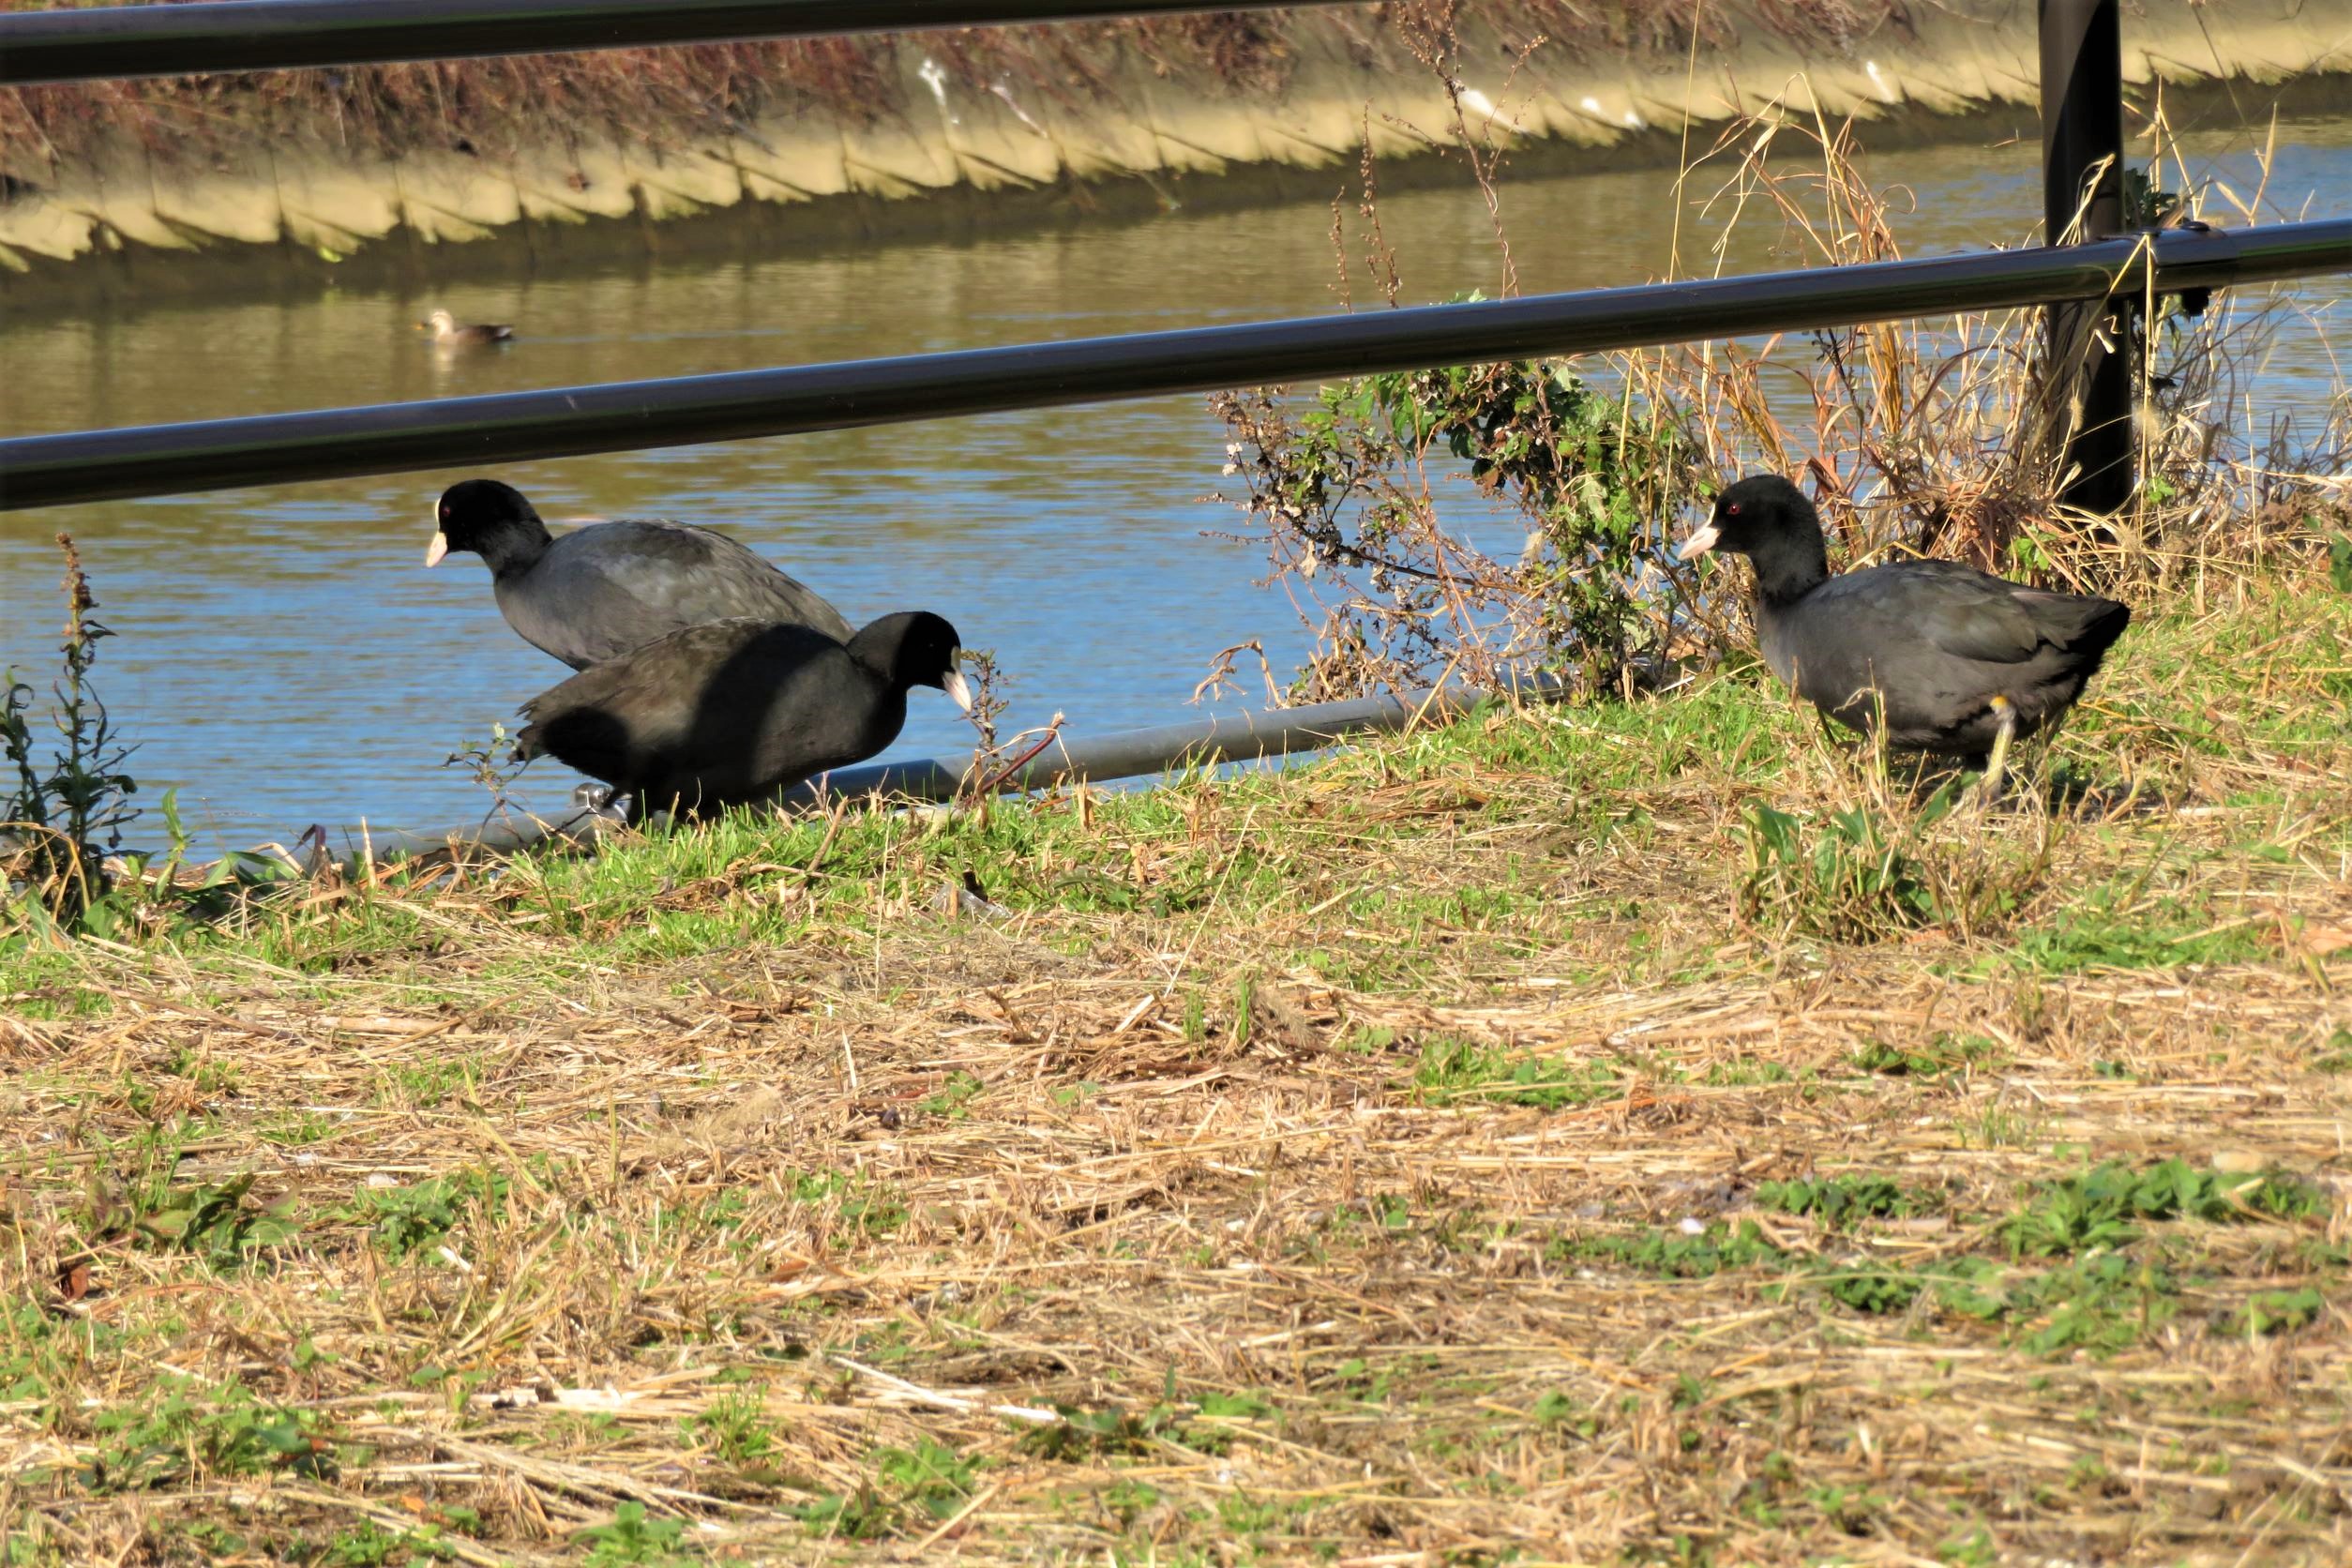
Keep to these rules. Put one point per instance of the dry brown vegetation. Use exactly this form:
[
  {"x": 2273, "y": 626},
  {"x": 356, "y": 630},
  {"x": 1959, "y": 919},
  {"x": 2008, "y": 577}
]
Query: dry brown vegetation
[
  {"x": 1415, "y": 1158},
  {"x": 1636, "y": 1132},
  {"x": 666, "y": 94}
]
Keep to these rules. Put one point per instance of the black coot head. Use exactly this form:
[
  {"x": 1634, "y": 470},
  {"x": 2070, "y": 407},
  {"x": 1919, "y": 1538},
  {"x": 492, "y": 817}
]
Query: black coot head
[
  {"x": 916, "y": 648},
  {"x": 1752, "y": 513},
  {"x": 491, "y": 518}
]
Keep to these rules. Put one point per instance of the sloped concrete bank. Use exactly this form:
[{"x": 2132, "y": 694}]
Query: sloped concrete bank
[{"x": 944, "y": 146}]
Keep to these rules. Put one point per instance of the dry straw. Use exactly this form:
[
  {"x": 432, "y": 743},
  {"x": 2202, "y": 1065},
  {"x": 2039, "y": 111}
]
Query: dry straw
[{"x": 1463, "y": 1150}]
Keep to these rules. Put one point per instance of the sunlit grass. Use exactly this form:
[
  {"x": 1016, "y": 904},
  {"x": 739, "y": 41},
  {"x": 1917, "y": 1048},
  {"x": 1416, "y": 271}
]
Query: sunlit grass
[{"x": 1437, "y": 1137}]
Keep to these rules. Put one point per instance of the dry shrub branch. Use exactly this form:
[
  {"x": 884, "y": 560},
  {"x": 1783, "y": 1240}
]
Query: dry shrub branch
[{"x": 1522, "y": 514}]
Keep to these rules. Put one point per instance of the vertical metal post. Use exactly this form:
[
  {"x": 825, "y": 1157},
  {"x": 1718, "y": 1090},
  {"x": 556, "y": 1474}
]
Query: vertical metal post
[{"x": 2081, "y": 177}]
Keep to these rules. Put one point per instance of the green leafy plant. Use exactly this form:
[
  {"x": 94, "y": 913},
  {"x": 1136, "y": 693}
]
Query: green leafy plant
[
  {"x": 951, "y": 1096},
  {"x": 1878, "y": 866},
  {"x": 1082, "y": 1433},
  {"x": 736, "y": 1427},
  {"x": 215, "y": 1223},
  {"x": 2280, "y": 1311},
  {"x": 1671, "y": 1255},
  {"x": 190, "y": 1432},
  {"x": 403, "y": 1220},
  {"x": 2105, "y": 1207},
  {"x": 1340, "y": 488},
  {"x": 1836, "y": 1202},
  {"x": 1848, "y": 875},
  {"x": 1878, "y": 1292},
  {"x": 931, "y": 1476},
  {"x": 862, "y": 1205},
  {"x": 632, "y": 1540},
  {"x": 929, "y": 1480},
  {"x": 1455, "y": 1071},
  {"x": 367, "y": 1545},
  {"x": 60, "y": 815},
  {"x": 861, "y": 1515},
  {"x": 2102, "y": 1304},
  {"x": 1556, "y": 1410}
]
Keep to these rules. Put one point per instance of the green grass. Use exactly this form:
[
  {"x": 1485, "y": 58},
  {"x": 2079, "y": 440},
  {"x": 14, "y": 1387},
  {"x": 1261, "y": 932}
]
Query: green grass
[
  {"x": 1433, "y": 1146},
  {"x": 2111, "y": 1283},
  {"x": 1860, "y": 871},
  {"x": 1455, "y": 1072}
]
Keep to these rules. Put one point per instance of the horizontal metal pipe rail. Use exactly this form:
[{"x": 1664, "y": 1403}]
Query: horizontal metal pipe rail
[
  {"x": 453, "y": 433},
  {"x": 1124, "y": 754},
  {"x": 273, "y": 35}
]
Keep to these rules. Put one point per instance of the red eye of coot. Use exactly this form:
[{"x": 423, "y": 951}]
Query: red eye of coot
[{"x": 1732, "y": 510}]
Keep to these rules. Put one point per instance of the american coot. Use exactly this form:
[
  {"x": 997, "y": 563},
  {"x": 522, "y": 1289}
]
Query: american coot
[
  {"x": 448, "y": 333},
  {"x": 1959, "y": 661},
  {"x": 732, "y": 710},
  {"x": 598, "y": 592}
]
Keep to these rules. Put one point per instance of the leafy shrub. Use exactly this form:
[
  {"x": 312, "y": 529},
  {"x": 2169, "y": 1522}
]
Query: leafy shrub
[{"x": 1340, "y": 488}]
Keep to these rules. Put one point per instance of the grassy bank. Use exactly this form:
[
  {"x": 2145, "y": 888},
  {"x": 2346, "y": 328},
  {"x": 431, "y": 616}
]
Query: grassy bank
[{"x": 1622, "y": 1133}]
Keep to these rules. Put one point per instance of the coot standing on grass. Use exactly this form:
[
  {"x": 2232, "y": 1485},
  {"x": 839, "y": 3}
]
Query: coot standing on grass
[
  {"x": 732, "y": 710},
  {"x": 1957, "y": 661},
  {"x": 598, "y": 592}
]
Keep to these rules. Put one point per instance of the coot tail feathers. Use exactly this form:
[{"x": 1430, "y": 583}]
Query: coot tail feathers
[{"x": 2082, "y": 624}]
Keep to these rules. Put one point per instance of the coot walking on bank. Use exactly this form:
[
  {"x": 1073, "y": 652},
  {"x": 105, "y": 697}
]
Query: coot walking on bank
[
  {"x": 732, "y": 710},
  {"x": 448, "y": 333},
  {"x": 1957, "y": 661},
  {"x": 598, "y": 592}
]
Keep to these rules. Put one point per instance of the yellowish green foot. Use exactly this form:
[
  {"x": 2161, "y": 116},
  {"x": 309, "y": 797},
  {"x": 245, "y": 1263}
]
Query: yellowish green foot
[{"x": 2002, "y": 739}]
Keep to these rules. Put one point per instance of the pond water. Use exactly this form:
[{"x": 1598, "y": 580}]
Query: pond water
[{"x": 284, "y": 658}]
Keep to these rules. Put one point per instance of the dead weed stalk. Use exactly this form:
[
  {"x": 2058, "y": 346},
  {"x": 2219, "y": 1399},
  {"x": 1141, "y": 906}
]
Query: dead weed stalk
[{"x": 1495, "y": 517}]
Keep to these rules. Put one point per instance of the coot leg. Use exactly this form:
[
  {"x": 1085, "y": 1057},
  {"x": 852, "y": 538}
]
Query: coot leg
[
  {"x": 592, "y": 797},
  {"x": 2006, "y": 732}
]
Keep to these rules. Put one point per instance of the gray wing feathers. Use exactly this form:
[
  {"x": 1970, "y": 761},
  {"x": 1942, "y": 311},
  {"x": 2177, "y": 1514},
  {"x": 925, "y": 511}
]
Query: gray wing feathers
[
  {"x": 1955, "y": 609},
  {"x": 1935, "y": 643},
  {"x": 603, "y": 590}
]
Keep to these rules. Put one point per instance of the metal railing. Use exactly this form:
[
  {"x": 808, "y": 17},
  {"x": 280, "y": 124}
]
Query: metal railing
[
  {"x": 2082, "y": 112},
  {"x": 2082, "y": 196},
  {"x": 161, "y": 460},
  {"x": 1220, "y": 738}
]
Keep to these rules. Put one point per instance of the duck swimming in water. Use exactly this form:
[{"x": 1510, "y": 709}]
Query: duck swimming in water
[{"x": 448, "y": 333}]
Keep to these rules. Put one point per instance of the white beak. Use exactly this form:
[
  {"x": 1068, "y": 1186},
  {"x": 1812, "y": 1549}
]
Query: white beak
[
  {"x": 959, "y": 688},
  {"x": 439, "y": 548},
  {"x": 1699, "y": 543}
]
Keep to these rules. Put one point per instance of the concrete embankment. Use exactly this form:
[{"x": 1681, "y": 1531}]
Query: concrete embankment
[{"x": 942, "y": 140}]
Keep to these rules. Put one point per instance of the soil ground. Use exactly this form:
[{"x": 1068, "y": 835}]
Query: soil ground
[{"x": 1628, "y": 1134}]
